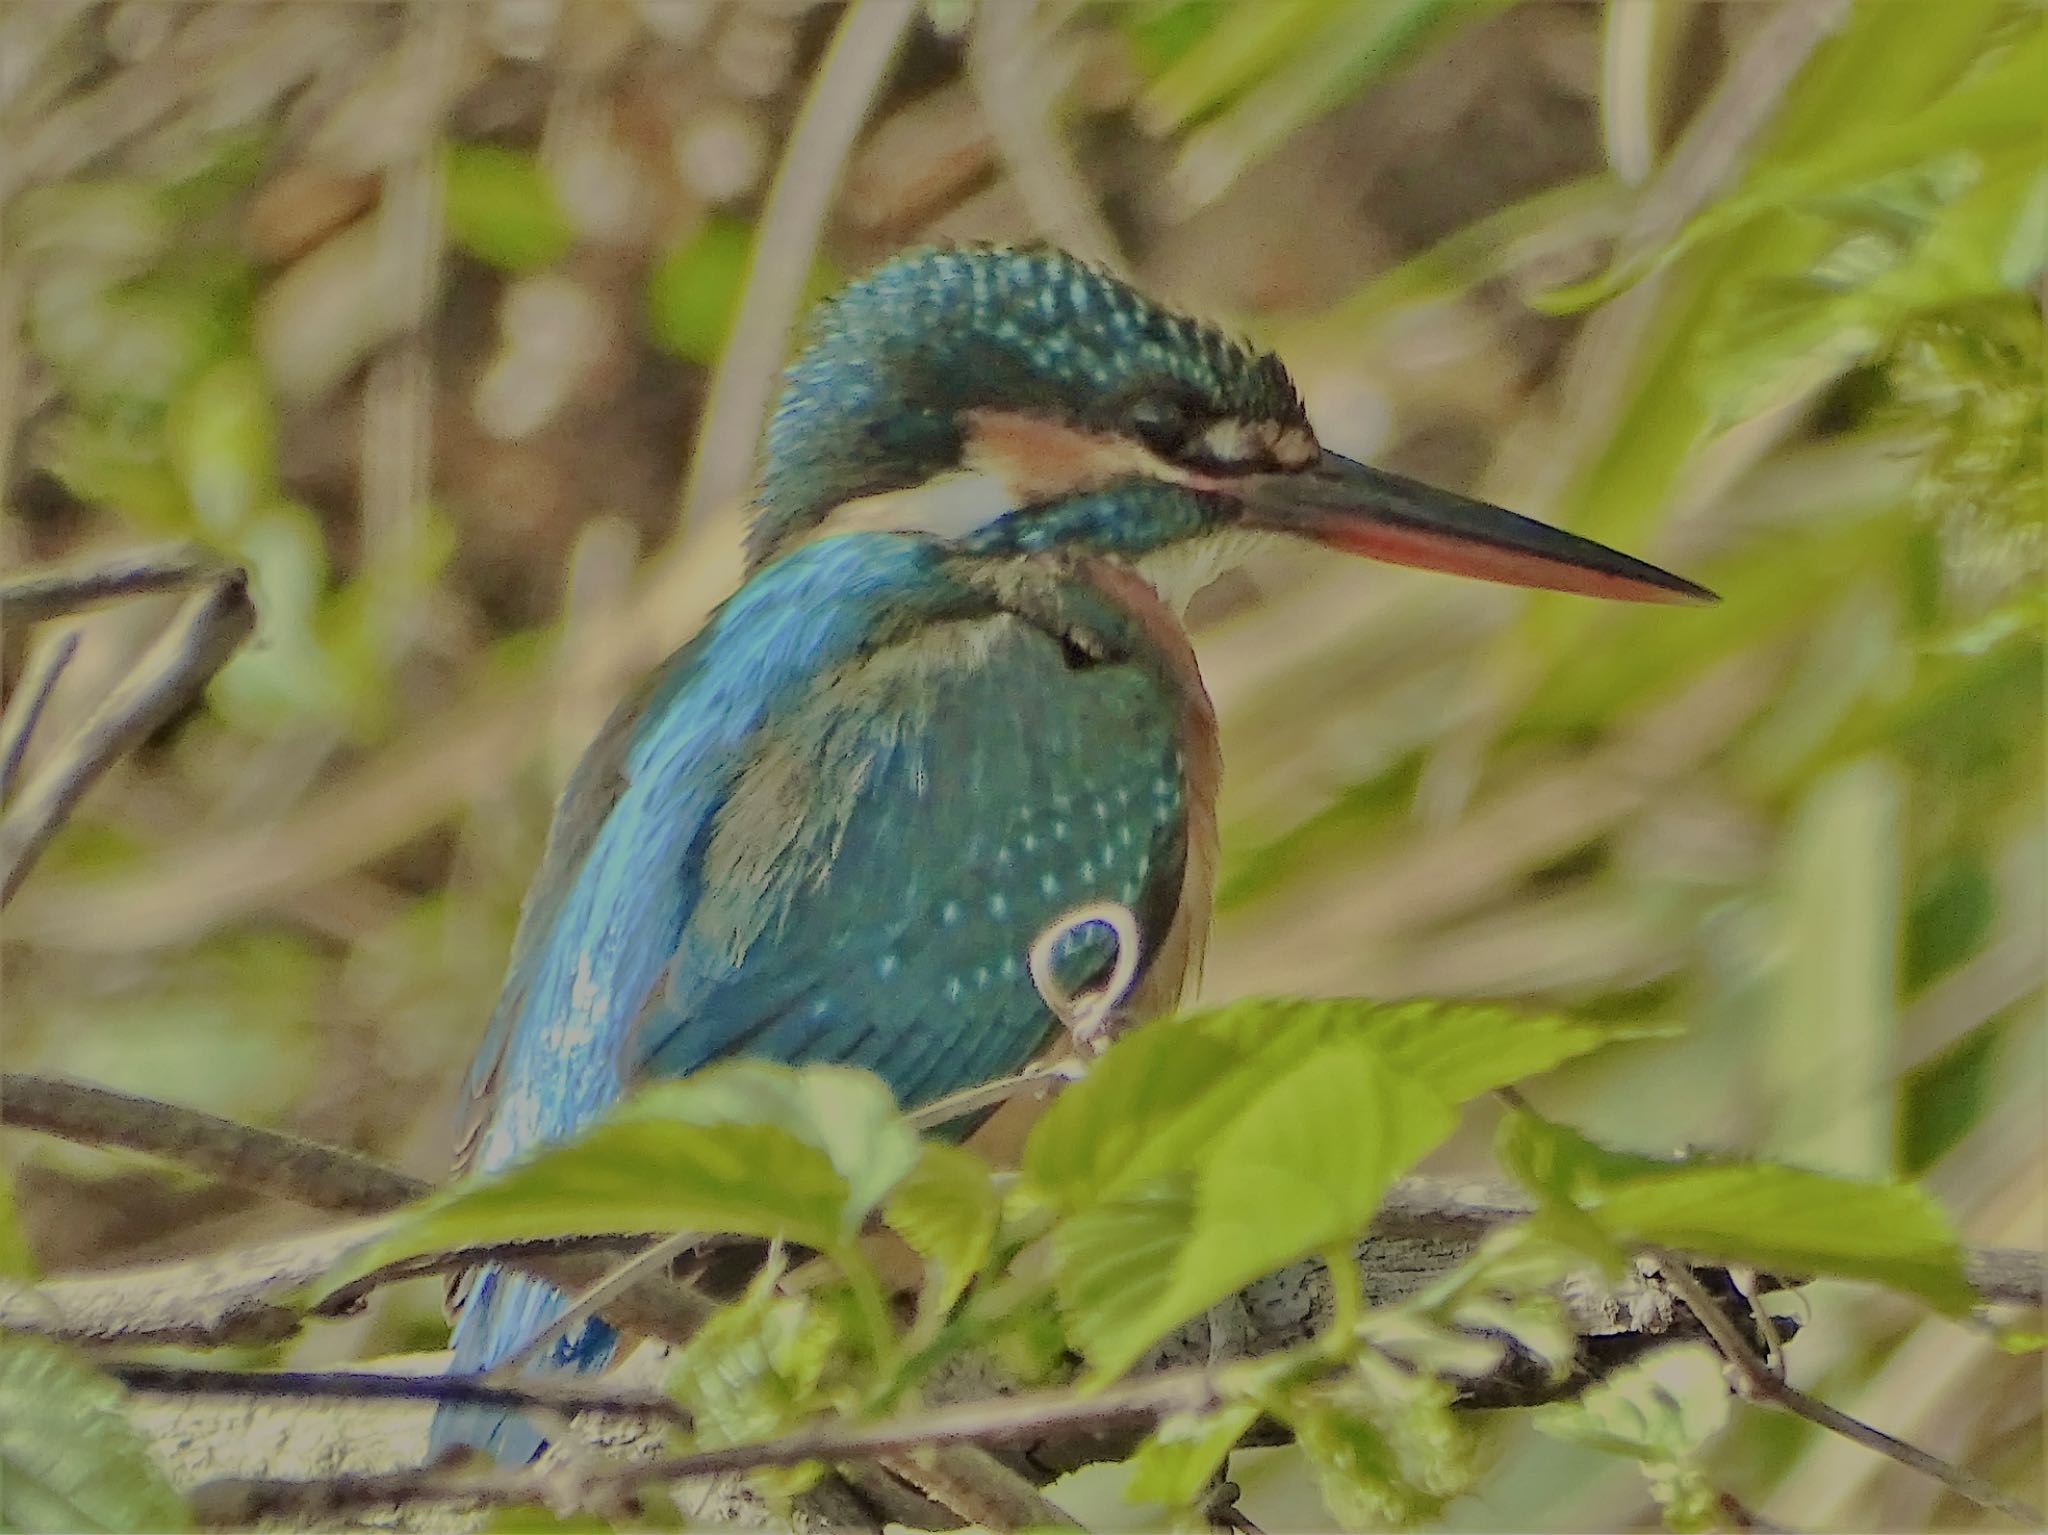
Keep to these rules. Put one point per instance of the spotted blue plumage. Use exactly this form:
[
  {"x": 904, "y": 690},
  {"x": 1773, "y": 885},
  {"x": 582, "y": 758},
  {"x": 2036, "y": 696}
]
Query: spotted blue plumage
[{"x": 829, "y": 831}]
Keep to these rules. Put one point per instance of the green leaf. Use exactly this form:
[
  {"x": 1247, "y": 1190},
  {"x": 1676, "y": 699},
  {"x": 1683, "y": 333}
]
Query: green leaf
[
  {"x": 757, "y": 1366},
  {"x": 1178, "y": 1457},
  {"x": 69, "y": 1458},
  {"x": 1941, "y": 1099},
  {"x": 1290, "y": 1161},
  {"x": 1996, "y": 105},
  {"x": 749, "y": 1148},
  {"x": 1236, "y": 46},
  {"x": 1953, "y": 230},
  {"x": 1383, "y": 1446},
  {"x": 500, "y": 207},
  {"x": 1759, "y": 1213},
  {"x": 847, "y": 1114},
  {"x": 1202, "y": 1152},
  {"x": 1660, "y": 1414},
  {"x": 947, "y": 1209},
  {"x": 1111, "y": 1261},
  {"x": 1156, "y": 1102}
]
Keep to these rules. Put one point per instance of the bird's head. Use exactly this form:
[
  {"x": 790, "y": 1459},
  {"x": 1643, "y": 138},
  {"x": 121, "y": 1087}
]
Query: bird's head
[{"x": 981, "y": 393}]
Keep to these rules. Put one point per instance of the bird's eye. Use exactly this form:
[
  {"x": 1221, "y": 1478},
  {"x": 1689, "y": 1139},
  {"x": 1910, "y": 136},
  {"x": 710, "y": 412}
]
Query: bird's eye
[{"x": 1162, "y": 424}]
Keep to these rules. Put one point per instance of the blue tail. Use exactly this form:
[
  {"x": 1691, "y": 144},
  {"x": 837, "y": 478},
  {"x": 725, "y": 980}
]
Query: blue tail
[{"x": 502, "y": 1311}]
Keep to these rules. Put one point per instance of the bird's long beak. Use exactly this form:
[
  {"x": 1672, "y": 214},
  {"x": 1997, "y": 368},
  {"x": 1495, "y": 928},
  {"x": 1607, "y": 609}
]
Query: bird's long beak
[{"x": 1348, "y": 505}]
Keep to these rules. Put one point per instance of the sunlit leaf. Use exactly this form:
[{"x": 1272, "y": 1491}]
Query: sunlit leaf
[
  {"x": 748, "y": 1148},
  {"x": 1836, "y": 986},
  {"x": 69, "y": 1458},
  {"x": 1383, "y": 1446},
  {"x": 1995, "y": 105},
  {"x": 1179, "y": 1457},
  {"x": 1353, "y": 46},
  {"x": 1947, "y": 232},
  {"x": 1660, "y": 1414},
  {"x": 1763, "y": 1214},
  {"x": 1284, "y": 1163},
  {"x": 1222, "y": 50},
  {"x": 847, "y": 1114},
  {"x": 756, "y": 1366},
  {"x": 1155, "y": 1103},
  {"x": 947, "y": 1209}
]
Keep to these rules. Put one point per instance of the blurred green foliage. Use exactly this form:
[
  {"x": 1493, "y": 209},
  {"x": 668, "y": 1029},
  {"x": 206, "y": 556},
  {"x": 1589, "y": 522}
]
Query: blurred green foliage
[
  {"x": 69, "y": 1459},
  {"x": 693, "y": 292},
  {"x": 501, "y": 207},
  {"x": 1661, "y": 1414}
]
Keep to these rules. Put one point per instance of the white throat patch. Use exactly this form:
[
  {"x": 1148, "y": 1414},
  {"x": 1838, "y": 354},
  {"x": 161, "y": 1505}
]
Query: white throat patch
[
  {"x": 949, "y": 506},
  {"x": 1182, "y": 569}
]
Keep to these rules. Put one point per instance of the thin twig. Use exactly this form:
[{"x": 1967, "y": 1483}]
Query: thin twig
[
  {"x": 235, "y": 1296},
  {"x": 222, "y": 1298},
  {"x": 641, "y": 1265},
  {"x": 562, "y": 1394},
  {"x": 851, "y": 75},
  {"x": 25, "y": 707},
  {"x": 1007, "y": 68},
  {"x": 972, "y": 1100},
  {"x": 324, "y": 1177},
  {"x": 48, "y": 591},
  {"x": 1757, "y": 1383},
  {"x": 1008, "y": 1420},
  {"x": 978, "y": 1489},
  {"x": 197, "y": 644}
]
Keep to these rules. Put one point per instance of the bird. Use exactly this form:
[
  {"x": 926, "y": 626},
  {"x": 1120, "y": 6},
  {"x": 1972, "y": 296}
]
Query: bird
[{"x": 951, "y": 701}]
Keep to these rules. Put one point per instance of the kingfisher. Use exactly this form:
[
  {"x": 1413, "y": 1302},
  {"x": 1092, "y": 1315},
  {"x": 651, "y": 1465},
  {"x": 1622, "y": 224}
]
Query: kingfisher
[{"x": 951, "y": 702}]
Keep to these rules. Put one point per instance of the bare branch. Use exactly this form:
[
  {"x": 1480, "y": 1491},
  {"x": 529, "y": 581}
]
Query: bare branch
[
  {"x": 25, "y": 707},
  {"x": 1756, "y": 1381},
  {"x": 223, "y": 1298},
  {"x": 976, "y": 1487},
  {"x": 197, "y": 644},
  {"x": 565, "y": 1394},
  {"x": 1016, "y": 1420},
  {"x": 237, "y": 1296},
  {"x": 2009, "y": 1276},
  {"x": 325, "y": 1177},
  {"x": 47, "y": 591}
]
